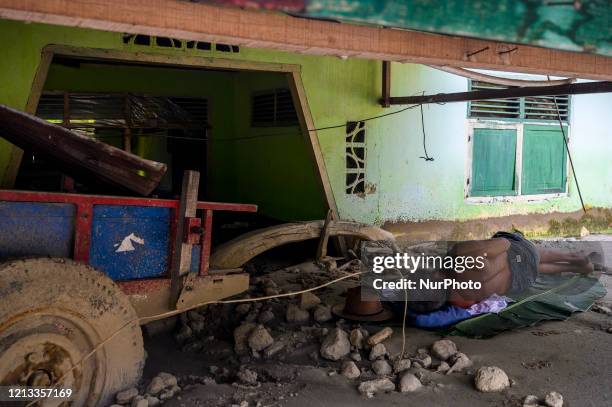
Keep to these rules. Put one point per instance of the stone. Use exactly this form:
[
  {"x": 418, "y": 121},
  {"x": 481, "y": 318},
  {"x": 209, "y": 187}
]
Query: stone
[
  {"x": 260, "y": 338},
  {"x": 531, "y": 401},
  {"x": 443, "y": 367},
  {"x": 242, "y": 309},
  {"x": 443, "y": 349},
  {"x": 357, "y": 338},
  {"x": 139, "y": 401},
  {"x": 336, "y": 345},
  {"x": 265, "y": 316},
  {"x": 350, "y": 370},
  {"x": 153, "y": 401},
  {"x": 379, "y": 351},
  {"x": 491, "y": 379},
  {"x": 273, "y": 349},
  {"x": 156, "y": 386},
  {"x": 380, "y": 336},
  {"x": 459, "y": 362},
  {"x": 247, "y": 376},
  {"x": 322, "y": 314},
  {"x": 125, "y": 396},
  {"x": 296, "y": 315},
  {"x": 183, "y": 334},
  {"x": 409, "y": 383},
  {"x": 169, "y": 379},
  {"x": 356, "y": 356},
  {"x": 308, "y": 301},
  {"x": 422, "y": 358},
  {"x": 167, "y": 394},
  {"x": 553, "y": 399},
  {"x": 241, "y": 334},
  {"x": 401, "y": 364},
  {"x": 194, "y": 315},
  {"x": 371, "y": 387},
  {"x": 381, "y": 367},
  {"x": 584, "y": 232},
  {"x": 197, "y": 326}
]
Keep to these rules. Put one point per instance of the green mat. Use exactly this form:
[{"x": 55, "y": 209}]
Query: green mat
[{"x": 553, "y": 297}]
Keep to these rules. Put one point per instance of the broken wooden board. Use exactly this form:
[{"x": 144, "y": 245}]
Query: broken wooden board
[
  {"x": 238, "y": 251},
  {"x": 81, "y": 157}
]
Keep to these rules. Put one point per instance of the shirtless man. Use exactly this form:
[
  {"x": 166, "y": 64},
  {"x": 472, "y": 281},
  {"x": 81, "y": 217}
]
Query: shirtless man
[{"x": 512, "y": 264}]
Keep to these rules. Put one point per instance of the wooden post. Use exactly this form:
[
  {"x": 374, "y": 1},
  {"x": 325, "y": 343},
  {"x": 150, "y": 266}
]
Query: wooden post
[
  {"x": 322, "y": 249},
  {"x": 386, "y": 84},
  {"x": 181, "y": 259}
]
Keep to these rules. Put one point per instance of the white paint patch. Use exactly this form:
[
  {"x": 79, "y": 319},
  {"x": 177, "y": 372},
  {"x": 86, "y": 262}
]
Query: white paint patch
[{"x": 126, "y": 244}]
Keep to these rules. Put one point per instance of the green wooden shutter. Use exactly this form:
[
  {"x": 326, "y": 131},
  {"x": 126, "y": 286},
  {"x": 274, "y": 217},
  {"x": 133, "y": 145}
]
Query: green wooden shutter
[
  {"x": 493, "y": 162},
  {"x": 544, "y": 160}
]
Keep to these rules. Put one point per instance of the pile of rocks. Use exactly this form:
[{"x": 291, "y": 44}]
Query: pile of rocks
[
  {"x": 162, "y": 387},
  {"x": 552, "y": 399}
]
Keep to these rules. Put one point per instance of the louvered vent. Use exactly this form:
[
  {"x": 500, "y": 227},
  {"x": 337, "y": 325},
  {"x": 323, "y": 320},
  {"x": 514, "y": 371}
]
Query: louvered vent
[
  {"x": 273, "y": 108},
  {"x": 494, "y": 108},
  {"x": 543, "y": 107}
]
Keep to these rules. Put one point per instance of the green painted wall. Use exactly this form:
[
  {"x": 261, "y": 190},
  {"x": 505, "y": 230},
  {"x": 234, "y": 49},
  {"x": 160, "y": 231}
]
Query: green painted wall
[{"x": 403, "y": 187}]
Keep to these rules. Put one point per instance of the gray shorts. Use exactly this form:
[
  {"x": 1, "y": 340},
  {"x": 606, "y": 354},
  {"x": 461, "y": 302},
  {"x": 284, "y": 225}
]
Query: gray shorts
[{"x": 523, "y": 259}]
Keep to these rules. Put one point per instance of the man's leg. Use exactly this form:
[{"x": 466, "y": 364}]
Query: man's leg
[
  {"x": 547, "y": 268},
  {"x": 558, "y": 256}
]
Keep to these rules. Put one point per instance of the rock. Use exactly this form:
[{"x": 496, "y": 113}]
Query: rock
[
  {"x": 380, "y": 336},
  {"x": 553, "y": 399},
  {"x": 296, "y": 314},
  {"x": 355, "y": 356},
  {"x": 422, "y": 358},
  {"x": 139, "y": 401},
  {"x": 241, "y": 334},
  {"x": 357, "y": 338},
  {"x": 168, "y": 379},
  {"x": 265, "y": 316},
  {"x": 308, "y": 301},
  {"x": 156, "y": 386},
  {"x": 247, "y": 376},
  {"x": 197, "y": 326},
  {"x": 378, "y": 351},
  {"x": 531, "y": 401},
  {"x": 491, "y": 379},
  {"x": 371, "y": 387},
  {"x": 381, "y": 367},
  {"x": 242, "y": 309},
  {"x": 322, "y": 313},
  {"x": 459, "y": 362},
  {"x": 125, "y": 396},
  {"x": 350, "y": 370},
  {"x": 153, "y": 401},
  {"x": 443, "y": 367},
  {"x": 273, "y": 349},
  {"x": 584, "y": 232},
  {"x": 167, "y": 394},
  {"x": 183, "y": 334},
  {"x": 260, "y": 338},
  {"x": 194, "y": 315},
  {"x": 409, "y": 383},
  {"x": 336, "y": 345},
  {"x": 401, "y": 364},
  {"x": 443, "y": 349},
  {"x": 602, "y": 309}
]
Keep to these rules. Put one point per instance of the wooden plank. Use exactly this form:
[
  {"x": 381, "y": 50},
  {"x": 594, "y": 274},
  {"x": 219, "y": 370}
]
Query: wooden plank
[
  {"x": 323, "y": 241},
  {"x": 386, "y": 84},
  {"x": 204, "y": 22},
  {"x": 569, "y": 89},
  {"x": 181, "y": 258},
  {"x": 83, "y": 158}
]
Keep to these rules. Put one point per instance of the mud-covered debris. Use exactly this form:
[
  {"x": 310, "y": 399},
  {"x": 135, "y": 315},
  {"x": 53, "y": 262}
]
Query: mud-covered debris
[
  {"x": 381, "y": 367},
  {"x": 443, "y": 367},
  {"x": 139, "y": 401},
  {"x": 241, "y": 334},
  {"x": 152, "y": 401},
  {"x": 247, "y": 376},
  {"x": 357, "y": 338},
  {"x": 260, "y": 338},
  {"x": 459, "y": 361},
  {"x": 409, "y": 383},
  {"x": 265, "y": 316},
  {"x": 242, "y": 309},
  {"x": 379, "y": 351},
  {"x": 336, "y": 345},
  {"x": 184, "y": 334},
  {"x": 350, "y": 370},
  {"x": 296, "y": 315},
  {"x": 156, "y": 386},
  {"x": 380, "y": 336},
  {"x": 371, "y": 387},
  {"x": 553, "y": 399},
  {"x": 531, "y": 401},
  {"x": 356, "y": 356},
  {"x": 422, "y": 358},
  {"x": 322, "y": 313},
  {"x": 126, "y": 396},
  {"x": 491, "y": 379},
  {"x": 443, "y": 349},
  {"x": 401, "y": 364},
  {"x": 273, "y": 349},
  {"x": 309, "y": 300}
]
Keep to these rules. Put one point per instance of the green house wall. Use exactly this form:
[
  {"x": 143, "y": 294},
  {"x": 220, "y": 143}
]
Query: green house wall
[{"x": 401, "y": 186}]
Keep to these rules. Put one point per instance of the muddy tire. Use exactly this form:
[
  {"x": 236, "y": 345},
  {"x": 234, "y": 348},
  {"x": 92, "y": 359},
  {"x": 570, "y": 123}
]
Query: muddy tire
[{"x": 55, "y": 311}]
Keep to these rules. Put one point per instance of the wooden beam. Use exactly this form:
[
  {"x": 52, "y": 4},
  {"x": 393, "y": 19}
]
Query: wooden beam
[
  {"x": 386, "y": 84},
  {"x": 570, "y": 89},
  {"x": 196, "y": 21}
]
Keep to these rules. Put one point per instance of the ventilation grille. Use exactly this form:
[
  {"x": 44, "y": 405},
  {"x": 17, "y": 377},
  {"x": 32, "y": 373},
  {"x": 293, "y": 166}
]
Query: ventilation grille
[
  {"x": 494, "y": 108},
  {"x": 355, "y": 157},
  {"x": 540, "y": 108},
  {"x": 166, "y": 42},
  {"x": 273, "y": 108}
]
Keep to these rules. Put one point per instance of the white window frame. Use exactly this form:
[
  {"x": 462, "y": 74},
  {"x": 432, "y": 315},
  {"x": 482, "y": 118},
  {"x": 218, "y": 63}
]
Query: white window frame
[{"x": 473, "y": 123}]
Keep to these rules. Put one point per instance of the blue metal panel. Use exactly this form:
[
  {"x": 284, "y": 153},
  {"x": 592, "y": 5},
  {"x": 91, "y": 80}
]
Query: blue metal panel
[
  {"x": 36, "y": 229},
  {"x": 130, "y": 242}
]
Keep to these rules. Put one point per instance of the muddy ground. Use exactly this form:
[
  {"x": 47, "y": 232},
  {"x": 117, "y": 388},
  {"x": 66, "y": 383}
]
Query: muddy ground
[{"x": 573, "y": 357}]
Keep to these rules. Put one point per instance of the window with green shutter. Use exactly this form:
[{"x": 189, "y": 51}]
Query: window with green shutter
[
  {"x": 544, "y": 160},
  {"x": 493, "y": 162}
]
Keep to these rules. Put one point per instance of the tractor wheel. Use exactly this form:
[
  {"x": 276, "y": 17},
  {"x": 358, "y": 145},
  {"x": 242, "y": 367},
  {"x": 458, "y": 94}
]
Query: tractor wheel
[{"x": 55, "y": 311}]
